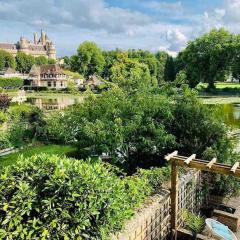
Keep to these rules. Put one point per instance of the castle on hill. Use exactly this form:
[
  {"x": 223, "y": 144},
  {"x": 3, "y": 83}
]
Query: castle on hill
[{"x": 42, "y": 46}]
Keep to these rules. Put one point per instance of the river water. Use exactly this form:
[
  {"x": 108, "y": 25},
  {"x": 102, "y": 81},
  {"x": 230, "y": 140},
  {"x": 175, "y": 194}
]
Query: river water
[{"x": 231, "y": 114}]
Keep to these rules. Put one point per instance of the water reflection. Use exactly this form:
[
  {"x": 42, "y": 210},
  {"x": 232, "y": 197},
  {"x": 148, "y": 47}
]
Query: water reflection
[
  {"x": 231, "y": 114},
  {"x": 56, "y": 103}
]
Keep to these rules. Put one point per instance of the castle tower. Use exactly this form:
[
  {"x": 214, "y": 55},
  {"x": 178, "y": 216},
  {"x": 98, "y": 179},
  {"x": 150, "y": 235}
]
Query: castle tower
[
  {"x": 43, "y": 38},
  {"x": 23, "y": 44},
  {"x": 35, "y": 38},
  {"x": 51, "y": 51}
]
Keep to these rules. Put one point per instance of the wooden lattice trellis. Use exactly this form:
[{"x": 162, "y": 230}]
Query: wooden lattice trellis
[{"x": 199, "y": 164}]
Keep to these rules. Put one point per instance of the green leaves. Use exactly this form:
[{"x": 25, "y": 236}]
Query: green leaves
[
  {"x": 46, "y": 196},
  {"x": 89, "y": 59},
  {"x": 208, "y": 58}
]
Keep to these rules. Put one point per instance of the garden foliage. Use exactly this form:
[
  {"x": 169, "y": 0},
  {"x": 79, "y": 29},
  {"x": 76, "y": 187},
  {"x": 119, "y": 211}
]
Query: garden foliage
[
  {"x": 52, "y": 197},
  {"x": 11, "y": 83}
]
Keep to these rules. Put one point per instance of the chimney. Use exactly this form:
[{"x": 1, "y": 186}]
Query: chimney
[{"x": 35, "y": 38}]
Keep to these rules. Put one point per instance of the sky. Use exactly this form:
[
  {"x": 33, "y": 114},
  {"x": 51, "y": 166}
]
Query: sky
[{"x": 147, "y": 24}]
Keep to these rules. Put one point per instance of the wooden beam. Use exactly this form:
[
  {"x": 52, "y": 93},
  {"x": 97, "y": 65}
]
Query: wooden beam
[
  {"x": 174, "y": 200},
  {"x": 234, "y": 167},
  {"x": 169, "y": 156},
  {"x": 188, "y": 160},
  {"x": 202, "y": 165},
  {"x": 214, "y": 160}
]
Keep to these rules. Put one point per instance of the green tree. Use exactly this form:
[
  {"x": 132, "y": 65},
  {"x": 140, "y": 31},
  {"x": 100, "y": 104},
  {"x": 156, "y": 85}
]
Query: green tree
[
  {"x": 6, "y": 60},
  {"x": 130, "y": 74},
  {"x": 235, "y": 64},
  {"x": 181, "y": 77},
  {"x": 111, "y": 57},
  {"x": 24, "y": 62},
  {"x": 130, "y": 129},
  {"x": 145, "y": 57},
  {"x": 89, "y": 59},
  {"x": 169, "y": 71},
  {"x": 41, "y": 60},
  {"x": 162, "y": 59},
  {"x": 51, "y": 61},
  {"x": 207, "y": 59}
]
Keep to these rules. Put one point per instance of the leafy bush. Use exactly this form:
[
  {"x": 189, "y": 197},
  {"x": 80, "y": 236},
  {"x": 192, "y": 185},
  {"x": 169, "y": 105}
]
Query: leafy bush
[
  {"x": 155, "y": 176},
  {"x": 193, "y": 222},
  {"x": 36, "y": 88},
  {"x": 13, "y": 83},
  {"x": 4, "y": 140},
  {"x": 51, "y": 197},
  {"x": 4, "y": 101},
  {"x": 23, "y": 123}
]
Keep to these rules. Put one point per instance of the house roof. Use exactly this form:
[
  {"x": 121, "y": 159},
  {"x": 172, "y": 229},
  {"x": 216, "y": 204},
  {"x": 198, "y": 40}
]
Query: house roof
[
  {"x": 93, "y": 80},
  {"x": 51, "y": 69},
  {"x": 46, "y": 69},
  {"x": 7, "y": 46}
]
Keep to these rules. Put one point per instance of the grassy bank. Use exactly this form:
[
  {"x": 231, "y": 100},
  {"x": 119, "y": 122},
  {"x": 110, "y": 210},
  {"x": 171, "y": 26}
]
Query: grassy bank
[
  {"x": 28, "y": 152},
  {"x": 220, "y": 100},
  {"x": 221, "y": 85}
]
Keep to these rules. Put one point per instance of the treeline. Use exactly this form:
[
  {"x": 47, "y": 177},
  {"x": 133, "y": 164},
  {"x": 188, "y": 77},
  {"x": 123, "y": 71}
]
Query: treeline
[
  {"x": 22, "y": 62},
  {"x": 90, "y": 59},
  {"x": 212, "y": 57}
]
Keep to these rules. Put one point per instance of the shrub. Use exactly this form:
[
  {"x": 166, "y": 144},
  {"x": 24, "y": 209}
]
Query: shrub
[
  {"x": 155, "y": 176},
  {"x": 4, "y": 101},
  {"x": 12, "y": 83},
  {"x": 36, "y": 88},
  {"x": 193, "y": 222},
  {"x": 51, "y": 197}
]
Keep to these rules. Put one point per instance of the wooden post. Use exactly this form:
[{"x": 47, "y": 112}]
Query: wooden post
[{"x": 174, "y": 199}]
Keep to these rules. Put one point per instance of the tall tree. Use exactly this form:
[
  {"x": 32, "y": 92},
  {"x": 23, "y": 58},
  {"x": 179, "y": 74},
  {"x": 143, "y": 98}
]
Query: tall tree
[
  {"x": 207, "y": 58},
  {"x": 24, "y": 62},
  {"x": 89, "y": 59},
  {"x": 6, "y": 60},
  {"x": 161, "y": 57},
  {"x": 129, "y": 73},
  {"x": 169, "y": 71}
]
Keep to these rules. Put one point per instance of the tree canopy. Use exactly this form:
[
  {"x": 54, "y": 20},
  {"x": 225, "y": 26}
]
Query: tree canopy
[
  {"x": 6, "y": 60},
  {"x": 208, "y": 58},
  {"x": 89, "y": 59},
  {"x": 24, "y": 62}
]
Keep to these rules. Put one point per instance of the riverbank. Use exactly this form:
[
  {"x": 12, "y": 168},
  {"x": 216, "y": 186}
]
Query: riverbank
[{"x": 220, "y": 99}]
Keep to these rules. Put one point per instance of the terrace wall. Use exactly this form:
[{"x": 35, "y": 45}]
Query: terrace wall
[{"x": 152, "y": 221}]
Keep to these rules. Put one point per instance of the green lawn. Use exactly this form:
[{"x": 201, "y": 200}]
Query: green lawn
[
  {"x": 222, "y": 85},
  {"x": 50, "y": 149}
]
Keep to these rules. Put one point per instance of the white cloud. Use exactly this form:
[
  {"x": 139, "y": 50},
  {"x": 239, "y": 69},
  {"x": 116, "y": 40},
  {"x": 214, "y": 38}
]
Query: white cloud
[
  {"x": 163, "y": 6},
  {"x": 94, "y": 14},
  {"x": 71, "y": 22}
]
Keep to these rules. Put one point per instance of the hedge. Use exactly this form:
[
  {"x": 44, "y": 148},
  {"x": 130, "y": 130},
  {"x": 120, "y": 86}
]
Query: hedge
[
  {"x": 12, "y": 83},
  {"x": 52, "y": 197}
]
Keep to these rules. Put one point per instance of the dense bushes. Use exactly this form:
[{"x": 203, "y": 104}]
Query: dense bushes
[
  {"x": 48, "y": 197},
  {"x": 11, "y": 83},
  {"x": 20, "y": 124},
  {"x": 139, "y": 128}
]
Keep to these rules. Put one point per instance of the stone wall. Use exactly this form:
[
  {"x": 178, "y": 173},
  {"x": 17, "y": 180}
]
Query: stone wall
[{"x": 152, "y": 221}]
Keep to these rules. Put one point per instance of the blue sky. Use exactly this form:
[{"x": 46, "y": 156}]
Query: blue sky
[{"x": 148, "y": 24}]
